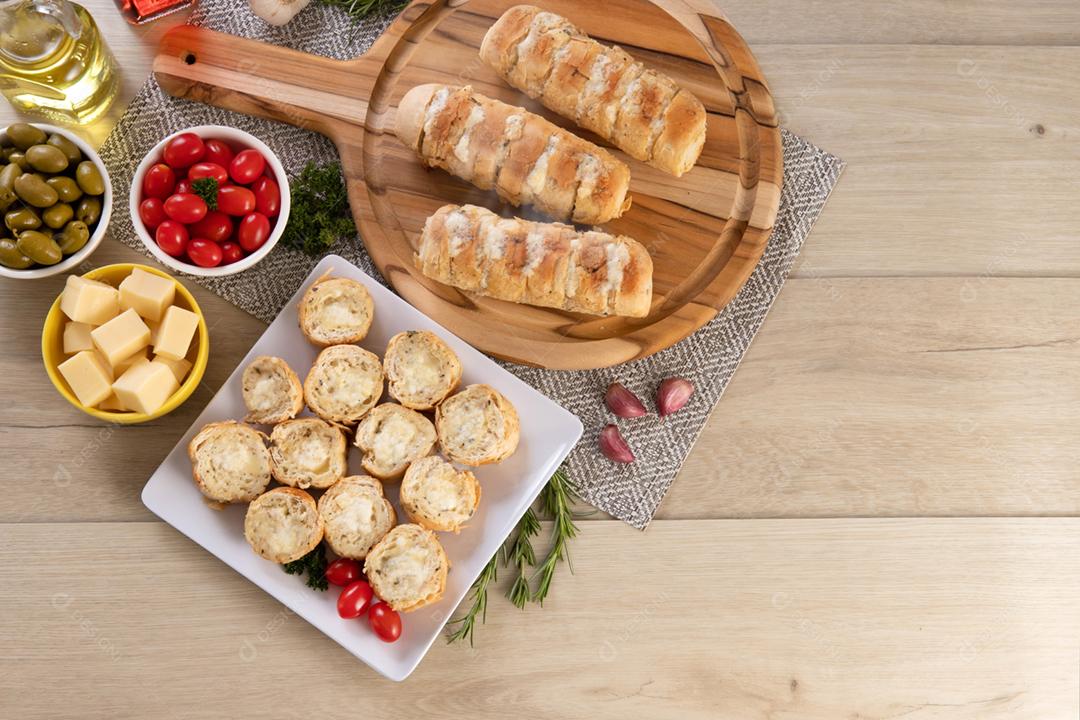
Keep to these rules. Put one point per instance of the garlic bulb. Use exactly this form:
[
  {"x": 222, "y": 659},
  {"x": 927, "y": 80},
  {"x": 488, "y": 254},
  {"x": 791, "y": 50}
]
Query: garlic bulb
[{"x": 278, "y": 12}]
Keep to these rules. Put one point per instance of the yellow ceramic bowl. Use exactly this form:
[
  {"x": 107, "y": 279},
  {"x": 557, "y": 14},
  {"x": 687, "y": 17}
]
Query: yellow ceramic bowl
[{"x": 52, "y": 347}]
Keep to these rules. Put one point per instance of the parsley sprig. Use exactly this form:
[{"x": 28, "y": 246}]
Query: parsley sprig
[
  {"x": 314, "y": 564},
  {"x": 207, "y": 189},
  {"x": 320, "y": 213}
]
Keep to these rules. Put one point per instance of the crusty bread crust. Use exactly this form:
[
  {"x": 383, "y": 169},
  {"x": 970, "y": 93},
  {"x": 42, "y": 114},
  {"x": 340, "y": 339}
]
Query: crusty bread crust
[
  {"x": 307, "y": 452},
  {"x": 283, "y": 525},
  {"x": 272, "y": 392},
  {"x": 421, "y": 369},
  {"x": 229, "y": 462},
  {"x": 477, "y": 426},
  {"x": 392, "y": 437},
  {"x": 335, "y": 311},
  {"x": 345, "y": 382},
  {"x": 438, "y": 496},
  {"x": 407, "y": 568},
  {"x": 499, "y": 48},
  {"x": 356, "y": 515},
  {"x": 409, "y": 121}
]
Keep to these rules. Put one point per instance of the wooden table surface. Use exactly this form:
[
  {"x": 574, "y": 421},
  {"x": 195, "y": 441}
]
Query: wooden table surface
[{"x": 879, "y": 521}]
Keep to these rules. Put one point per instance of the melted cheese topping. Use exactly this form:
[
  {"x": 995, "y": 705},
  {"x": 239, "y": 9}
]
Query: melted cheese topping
[
  {"x": 312, "y": 453},
  {"x": 459, "y": 231},
  {"x": 404, "y": 565},
  {"x": 282, "y": 524},
  {"x": 395, "y": 439},
  {"x": 572, "y": 271},
  {"x": 617, "y": 259},
  {"x": 537, "y": 179},
  {"x": 267, "y": 392},
  {"x": 535, "y": 250},
  {"x": 461, "y": 150},
  {"x": 435, "y": 108}
]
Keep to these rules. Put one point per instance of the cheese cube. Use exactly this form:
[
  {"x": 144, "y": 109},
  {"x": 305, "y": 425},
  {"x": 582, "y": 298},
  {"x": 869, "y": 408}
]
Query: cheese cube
[
  {"x": 88, "y": 377},
  {"x": 121, "y": 337},
  {"x": 147, "y": 294},
  {"x": 112, "y": 404},
  {"x": 175, "y": 333},
  {"x": 77, "y": 337},
  {"x": 89, "y": 301},
  {"x": 145, "y": 386},
  {"x": 179, "y": 367},
  {"x": 140, "y": 357}
]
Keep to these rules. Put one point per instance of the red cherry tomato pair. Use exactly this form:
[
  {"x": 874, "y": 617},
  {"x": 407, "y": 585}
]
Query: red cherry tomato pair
[{"x": 357, "y": 597}]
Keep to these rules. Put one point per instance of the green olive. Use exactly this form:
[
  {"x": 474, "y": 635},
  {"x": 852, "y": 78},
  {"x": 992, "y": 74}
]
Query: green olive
[
  {"x": 7, "y": 184},
  {"x": 19, "y": 158},
  {"x": 47, "y": 159},
  {"x": 32, "y": 190},
  {"x": 71, "y": 150},
  {"x": 89, "y": 178},
  {"x": 24, "y": 135},
  {"x": 88, "y": 210},
  {"x": 22, "y": 219},
  {"x": 11, "y": 257},
  {"x": 7, "y": 152},
  {"x": 58, "y": 215},
  {"x": 66, "y": 189},
  {"x": 73, "y": 237},
  {"x": 39, "y": 247}
]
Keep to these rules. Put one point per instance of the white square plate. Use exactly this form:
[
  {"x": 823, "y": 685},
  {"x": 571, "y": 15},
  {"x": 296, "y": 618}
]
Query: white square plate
[{"x": 548, "y": 433}]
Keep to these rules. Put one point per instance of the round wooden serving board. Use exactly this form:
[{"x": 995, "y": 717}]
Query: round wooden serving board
[{"x": 706, "y": 231}]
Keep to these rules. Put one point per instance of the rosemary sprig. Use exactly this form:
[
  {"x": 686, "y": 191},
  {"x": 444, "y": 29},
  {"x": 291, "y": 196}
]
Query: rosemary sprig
[
  {"x": 478, "y": 609},
  {"x": 521, "y": 557},
  {"x": 557, "y": 499},
  {"x": 359, "y": 9}
]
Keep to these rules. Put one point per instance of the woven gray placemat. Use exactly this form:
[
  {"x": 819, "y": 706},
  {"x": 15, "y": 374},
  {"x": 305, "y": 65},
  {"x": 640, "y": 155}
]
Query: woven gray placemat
[{"x": 708, "y": 358}]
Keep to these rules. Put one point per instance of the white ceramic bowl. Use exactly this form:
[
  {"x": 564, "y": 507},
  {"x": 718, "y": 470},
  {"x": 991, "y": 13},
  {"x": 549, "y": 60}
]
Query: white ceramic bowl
[
  {"x": 96, "y": 237},
  {"x": 238, "y": 140}
]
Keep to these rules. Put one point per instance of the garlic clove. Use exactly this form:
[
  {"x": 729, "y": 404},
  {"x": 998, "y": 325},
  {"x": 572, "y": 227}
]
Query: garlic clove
[
  {"x": 622, "y": 402},
  {"x": 672, "y": 395},
  {"x": 614, "y": 446}
]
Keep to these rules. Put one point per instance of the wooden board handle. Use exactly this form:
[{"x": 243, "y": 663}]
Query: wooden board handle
[{"x": 257, "y": 78}]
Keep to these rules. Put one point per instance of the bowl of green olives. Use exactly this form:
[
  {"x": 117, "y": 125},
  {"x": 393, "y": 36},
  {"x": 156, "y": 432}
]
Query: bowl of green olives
[{"x": 55, "y": 198}]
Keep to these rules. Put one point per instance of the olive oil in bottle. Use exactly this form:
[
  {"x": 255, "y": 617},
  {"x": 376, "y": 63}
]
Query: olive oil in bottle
[{"x": 54, "y": 62}]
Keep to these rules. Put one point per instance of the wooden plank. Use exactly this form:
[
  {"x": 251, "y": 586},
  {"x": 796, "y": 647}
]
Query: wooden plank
[{"x": 750, "y": 619}]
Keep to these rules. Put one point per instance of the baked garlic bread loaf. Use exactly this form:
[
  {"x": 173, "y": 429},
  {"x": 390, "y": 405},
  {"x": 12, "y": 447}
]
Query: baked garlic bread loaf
[
  {"x": 391, "y": 437},
  {"x": 603, "y": 89},
  {"x": 421, "y": 369},
  {"x": 407, "y": 568},
  {"x": 438, "y": 496},
  {"x": 525, "y": 158},
  {"x": 307, "y": 452},
  {"x": 478, "y": 426},
  {"x": 543, "y": 264},
  {"x": 344, "y": 384},
  {"x": 283, "y": 525},
  {"x": 335, "y": 311},
  {"x": 230, "y": 462},
  {"x": 356, "y": 516},
  {"x": 272, "y": 391}
]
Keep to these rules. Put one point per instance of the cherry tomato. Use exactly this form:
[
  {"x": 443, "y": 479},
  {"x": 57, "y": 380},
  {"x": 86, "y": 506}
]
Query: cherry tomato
[
  {"x": 235, "y": 200},
  {"x": 152, "y": 212},
  {"x": 185, "y": 208},
  {"x": 217, "y": 151},
  {"x": 267, "y": 196},
  {"x": 159, "y": 181},
  {"x": 253, "y": 231},
  {"x": 230, "y": 253},
  {"x": 385, "y": 622},
  {"x": 343, "y": 571},
  {"x": 204, "y": 253},
  {"x": 172, "y": 237},
  {"x": 247, "y": 166},
  {"x": 215, "y": 226},
  {"x": 183, "y": 187},
  {"x": 208, "y": 169},
  {"x": 354, "y": 600},
  {"x": 184, "y": 150}
]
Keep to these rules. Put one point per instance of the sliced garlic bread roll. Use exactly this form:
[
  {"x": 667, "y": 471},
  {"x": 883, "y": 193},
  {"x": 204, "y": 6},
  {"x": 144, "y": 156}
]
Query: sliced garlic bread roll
[
  {"x": 407, "y": 568},
  {"x": 477, "y": 426},
  {"x": 544, "y": 264},
  {"x": 525, "y": 158},
  {"x": 643, "y": 112},
  {"x": 307, "y": 452},
  {"x": 272, "y": 391},
  {"x": 391, "y": 437},
  {"x": 356, "y": 515},
  {"x": 283, "y": 525},
  {"x": 336, "y": 311},
  {"x": 345, "y": 382},
  {"x": 438, "y": 496},
  {"x": 421, "y": 369},
  {"x": 229, "y": 462}
]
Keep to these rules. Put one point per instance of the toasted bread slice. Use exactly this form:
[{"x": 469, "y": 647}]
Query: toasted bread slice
[
  {"x": 356, "y": 515},
  {"x": 391, "y": 437},
  {"x": 477, "y": 426},
  {"x": 334, "y": 311},
  {"x": 307, "y": 452},
  {"x": 229, "y": 462},
  {"x": 438, "y": 496},
  {"x": 283, "y": 525},
  {"x": 345, "y": 382},
  {"x": 421, "y": 369},
  {"x": 272, "y": 391},
  {"x": 407, "y": 568}
]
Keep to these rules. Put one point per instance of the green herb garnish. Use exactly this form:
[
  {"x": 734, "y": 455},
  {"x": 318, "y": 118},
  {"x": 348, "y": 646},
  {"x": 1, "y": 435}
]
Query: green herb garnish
[
  {"x": 360, "y": 9},
  {"x": 314, "y": 564},
  {"x": 521, "y": 557},
  {"x": 478, "y": 610},
  {"x": 207, "y": 189},
  {"x": 320, "y": 214}
]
